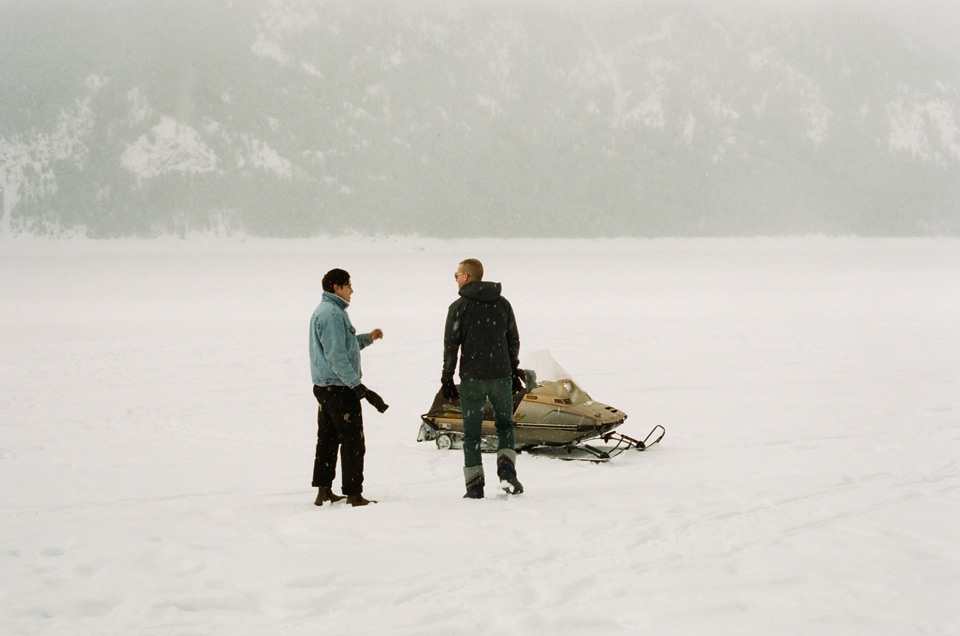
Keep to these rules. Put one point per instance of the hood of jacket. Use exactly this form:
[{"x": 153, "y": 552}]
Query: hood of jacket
[{"x": 481, "y": 291}]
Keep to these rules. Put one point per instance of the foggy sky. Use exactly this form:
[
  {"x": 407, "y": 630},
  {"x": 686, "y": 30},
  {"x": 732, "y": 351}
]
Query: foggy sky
[{"x": 258, "y": 102}]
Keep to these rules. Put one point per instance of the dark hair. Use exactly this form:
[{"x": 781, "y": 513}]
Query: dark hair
[{"x": 335, "y": 277}]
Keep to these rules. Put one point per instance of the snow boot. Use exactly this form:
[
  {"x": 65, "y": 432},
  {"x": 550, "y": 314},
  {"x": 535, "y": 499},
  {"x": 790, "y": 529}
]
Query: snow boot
[
  {"x": 507, "y": 471},
  {"x": 473, "y": 476},
  {"x": 358, "y": 500},
  {"x": 326, "y": 494}
]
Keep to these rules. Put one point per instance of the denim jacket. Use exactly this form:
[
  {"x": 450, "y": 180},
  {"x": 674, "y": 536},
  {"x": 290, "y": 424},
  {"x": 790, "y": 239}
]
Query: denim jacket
[{"x": 334, "y": 344}]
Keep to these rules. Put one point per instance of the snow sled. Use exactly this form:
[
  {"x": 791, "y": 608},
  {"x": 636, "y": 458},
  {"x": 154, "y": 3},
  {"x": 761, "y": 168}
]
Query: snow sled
[{"x": 553, "y": 416}]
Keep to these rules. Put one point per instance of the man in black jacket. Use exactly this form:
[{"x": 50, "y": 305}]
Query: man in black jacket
[{"x": 482, "y": 328}]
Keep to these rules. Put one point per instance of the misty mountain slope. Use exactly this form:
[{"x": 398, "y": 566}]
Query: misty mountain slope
[{"x": 292, "y": 118}]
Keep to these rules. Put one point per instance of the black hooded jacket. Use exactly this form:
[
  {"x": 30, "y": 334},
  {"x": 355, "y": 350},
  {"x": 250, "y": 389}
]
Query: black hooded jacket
[{"x": 481, "y": 325}]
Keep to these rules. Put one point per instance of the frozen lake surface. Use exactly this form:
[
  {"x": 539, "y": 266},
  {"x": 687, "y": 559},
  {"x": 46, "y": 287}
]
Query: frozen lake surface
[{"x": 158, "y": 430}]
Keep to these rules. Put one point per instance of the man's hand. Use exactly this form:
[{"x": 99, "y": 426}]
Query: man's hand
[
  {"x": 376, "y": 334},
  {"x": 518, "y": 380},
  {"x": 376, "y": 401},
  {"x": 363, "y": 393},
  {"x": 448, "y": 389}
]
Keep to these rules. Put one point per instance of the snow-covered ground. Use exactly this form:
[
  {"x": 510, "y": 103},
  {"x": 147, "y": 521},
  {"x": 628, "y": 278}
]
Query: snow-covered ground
[{"x": 158, "y": 430}]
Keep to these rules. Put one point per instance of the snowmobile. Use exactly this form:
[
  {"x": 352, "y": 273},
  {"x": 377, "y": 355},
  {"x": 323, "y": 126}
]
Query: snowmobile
[{"x": 553, "y": 416}]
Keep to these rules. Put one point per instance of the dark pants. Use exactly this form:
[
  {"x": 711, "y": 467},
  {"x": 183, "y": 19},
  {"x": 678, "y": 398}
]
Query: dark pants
[
  {"x": 339, "y": 426},
  {"x": 473, "y": 397}
]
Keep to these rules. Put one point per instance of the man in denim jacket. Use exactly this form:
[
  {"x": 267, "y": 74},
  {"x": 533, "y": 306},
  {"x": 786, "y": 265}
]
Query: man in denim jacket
[{"x": 335, "y": 367}]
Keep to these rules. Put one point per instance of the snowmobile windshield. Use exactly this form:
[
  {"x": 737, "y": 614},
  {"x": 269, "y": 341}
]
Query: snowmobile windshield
[
  {"x": 551, "y": 379},
  {"x": 546, "y": 368}
]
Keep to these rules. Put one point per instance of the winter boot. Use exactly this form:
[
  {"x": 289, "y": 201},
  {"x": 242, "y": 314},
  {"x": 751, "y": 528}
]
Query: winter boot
[
  {"x": 358, "y": 500},
  {"x": 507, "y": 471},
  {"x": 326, "y": 494},
  {"x": 473, "y": 476}
]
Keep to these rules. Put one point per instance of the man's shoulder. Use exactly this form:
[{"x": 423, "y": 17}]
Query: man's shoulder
[{"x": 327, "y": 309}]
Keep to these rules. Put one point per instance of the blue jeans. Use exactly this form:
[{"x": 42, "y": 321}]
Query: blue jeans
[{"x": 473, "y": 397}]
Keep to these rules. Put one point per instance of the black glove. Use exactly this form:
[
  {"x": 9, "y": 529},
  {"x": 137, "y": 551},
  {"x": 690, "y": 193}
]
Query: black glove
[
  {"x": 518, "y": 381},
  {"x": 374, "y": 399},
  {"x": 448, "y": 389}
]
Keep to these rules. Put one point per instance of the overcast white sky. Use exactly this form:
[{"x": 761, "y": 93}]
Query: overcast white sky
[{"x": 935, "y": 21}]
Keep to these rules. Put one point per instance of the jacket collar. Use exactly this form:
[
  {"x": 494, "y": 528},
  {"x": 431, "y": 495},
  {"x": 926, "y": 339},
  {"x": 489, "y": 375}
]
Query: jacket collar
[
  {"x": 481, "y": 291},
  {"x": 333, "y": 298}
]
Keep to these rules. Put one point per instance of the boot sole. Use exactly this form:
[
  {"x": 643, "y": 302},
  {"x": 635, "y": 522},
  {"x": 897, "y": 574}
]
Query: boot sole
[{"x": 509, "y": 488}]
